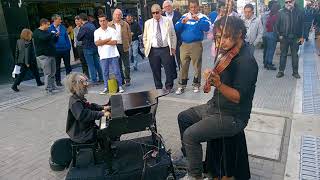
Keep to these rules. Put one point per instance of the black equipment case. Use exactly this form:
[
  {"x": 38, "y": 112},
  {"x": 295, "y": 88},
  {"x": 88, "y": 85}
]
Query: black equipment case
[
  {"x": 60, "y": 154},
  {"x": 135, "y": 159}
]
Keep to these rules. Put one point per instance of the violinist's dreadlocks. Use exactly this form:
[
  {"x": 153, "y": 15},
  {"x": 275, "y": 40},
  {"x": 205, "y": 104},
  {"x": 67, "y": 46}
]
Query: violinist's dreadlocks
[{"x": 234, "y": 27}]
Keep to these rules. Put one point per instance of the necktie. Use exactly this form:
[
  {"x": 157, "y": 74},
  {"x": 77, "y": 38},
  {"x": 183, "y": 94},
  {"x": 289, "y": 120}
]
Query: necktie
[{"x": 158, "y": 35}]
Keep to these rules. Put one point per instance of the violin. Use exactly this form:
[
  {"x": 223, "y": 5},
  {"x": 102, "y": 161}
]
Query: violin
[{"x": 222, "y": 62}]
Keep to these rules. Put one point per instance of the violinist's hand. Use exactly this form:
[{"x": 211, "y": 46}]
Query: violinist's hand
[
  {"x": 215, "y": 79},
  {"x": 207, "y": 73},
  {"x": 106, "y": 108}
]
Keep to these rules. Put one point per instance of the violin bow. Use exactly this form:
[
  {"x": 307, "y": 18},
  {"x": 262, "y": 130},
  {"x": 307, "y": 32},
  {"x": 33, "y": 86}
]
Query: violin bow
[{"x": 216, "y": 61}]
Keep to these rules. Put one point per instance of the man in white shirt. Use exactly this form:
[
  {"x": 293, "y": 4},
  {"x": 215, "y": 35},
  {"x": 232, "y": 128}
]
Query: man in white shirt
[
  {"x": 159, "y": 39},
  {"x": 106, "y": 40}
]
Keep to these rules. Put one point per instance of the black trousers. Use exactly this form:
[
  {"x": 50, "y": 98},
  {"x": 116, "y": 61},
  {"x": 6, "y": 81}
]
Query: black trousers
[
  {"x": 158, "y": 57},
  {"x": 285, "y": 43},
  {"x": 83, "y": 61},
  {"x": 33, "y": 68},
  {"x": 124, "y": 64},
  {"x": 200, "y": 124},
  {"x": 65, "y": 55}
]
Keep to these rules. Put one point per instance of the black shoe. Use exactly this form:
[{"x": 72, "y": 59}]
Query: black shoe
[
  {"x": 180, "y": 162},
  {"x": 280, "y": 74},
  {"x": 15, "y": 88},
  {"x": 270, "y": 67},
  {"x": 59, "y": 83},
  {"x": 296, "y": 75},
  {"x": 265, "y": 66},
  {"x": 307, "y": 39},
  {"x": 40, "y": 84}
]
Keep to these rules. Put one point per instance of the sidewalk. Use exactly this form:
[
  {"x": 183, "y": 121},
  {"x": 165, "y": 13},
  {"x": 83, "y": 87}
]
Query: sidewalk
[{"x": 31, "y": 121}]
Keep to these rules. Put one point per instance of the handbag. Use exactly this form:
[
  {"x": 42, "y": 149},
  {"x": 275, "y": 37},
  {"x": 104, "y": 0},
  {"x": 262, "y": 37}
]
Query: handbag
[
  {"x": 16, "y": 70},
  {"x": 112, "y": 85}
]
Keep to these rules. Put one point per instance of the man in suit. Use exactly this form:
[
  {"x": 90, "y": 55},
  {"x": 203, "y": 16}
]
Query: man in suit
[
  {"x": 159, "y": 39},
  {"x": 174, "y": 16}
]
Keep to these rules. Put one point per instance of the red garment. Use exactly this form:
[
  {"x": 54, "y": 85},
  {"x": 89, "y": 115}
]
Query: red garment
[{"x": 271, "y": 20}]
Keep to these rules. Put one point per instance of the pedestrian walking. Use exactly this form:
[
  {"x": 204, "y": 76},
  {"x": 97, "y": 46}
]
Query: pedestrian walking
[
  {"x": 26, "y": 59},
  {"x": 45, "y": 50}
]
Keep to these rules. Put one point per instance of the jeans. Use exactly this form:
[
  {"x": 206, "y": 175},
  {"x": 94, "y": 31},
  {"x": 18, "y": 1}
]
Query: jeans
[
  {"x": 284, "y": 46},
  {"x": 271, "y": 41},
  {"x": 65, "y": 55},
  {"x": 105, "y": 63},
  {"x": 48, "y": 65},
  {"x": 265, "y": 47},
  {"x": 92, "y": 59},
  {"x": 124, "y": 63},
  {"x": 197, "y": 125},
  {"x": 306, "y": 31},
  {"x": 134, "y": 51}
]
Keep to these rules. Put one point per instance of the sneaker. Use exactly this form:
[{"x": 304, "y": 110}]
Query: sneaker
[
  {"x": 169, "y": 90},
  {"x": 280, "y": 74},
  {"x": 179, "y": 91},
  {"x": 196, "y": 89},
  {"x": 121, "y": 90},
  {"x": 105, "y": 91},
  {"x": 296, "y": 75},
  {"x": 270, "y": 67}
]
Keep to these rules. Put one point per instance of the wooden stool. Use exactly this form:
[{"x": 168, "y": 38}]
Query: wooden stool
[{"x": 227, "y": 158}]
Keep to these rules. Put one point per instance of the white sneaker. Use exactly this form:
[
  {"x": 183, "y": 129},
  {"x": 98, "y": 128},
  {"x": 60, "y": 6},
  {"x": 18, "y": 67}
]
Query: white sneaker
[
  {"x": 179, "y": 91},
  {"x": 105, "y": 91},
  {"x": 196, "y": 89},
  {"x": 121, "y": 90}
]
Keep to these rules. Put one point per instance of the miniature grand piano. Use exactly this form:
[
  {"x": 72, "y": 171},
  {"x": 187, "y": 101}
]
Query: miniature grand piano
[{"x": 131, "y": 113}]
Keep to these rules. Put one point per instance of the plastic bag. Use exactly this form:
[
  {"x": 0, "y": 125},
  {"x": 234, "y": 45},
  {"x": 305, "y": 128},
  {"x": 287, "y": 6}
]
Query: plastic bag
[{"x": 16, "y": 70}]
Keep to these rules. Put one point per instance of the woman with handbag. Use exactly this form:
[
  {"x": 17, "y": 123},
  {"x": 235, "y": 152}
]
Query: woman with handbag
[{"x": 25, "y": 58}]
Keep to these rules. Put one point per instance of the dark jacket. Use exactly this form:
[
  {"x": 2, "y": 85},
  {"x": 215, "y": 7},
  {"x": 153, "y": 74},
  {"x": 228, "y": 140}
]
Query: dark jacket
[
  {"x": 290, "y": 23},
  {"x": 63, "y": 42},
  {"x": 176, "y": 16},
  {"x": 24, "y": 52},
  {"x": 81, "y": 118},
  {"x": 86, "y": 35},
  {"x": 135, "y": 29},
  {"x": 44, "y": 42}
]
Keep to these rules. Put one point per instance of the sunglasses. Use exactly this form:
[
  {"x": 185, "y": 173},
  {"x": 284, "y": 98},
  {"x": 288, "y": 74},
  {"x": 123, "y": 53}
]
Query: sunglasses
[
  {"x": 156, "y": 12},
  {"x": 287, "y": 2}
]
